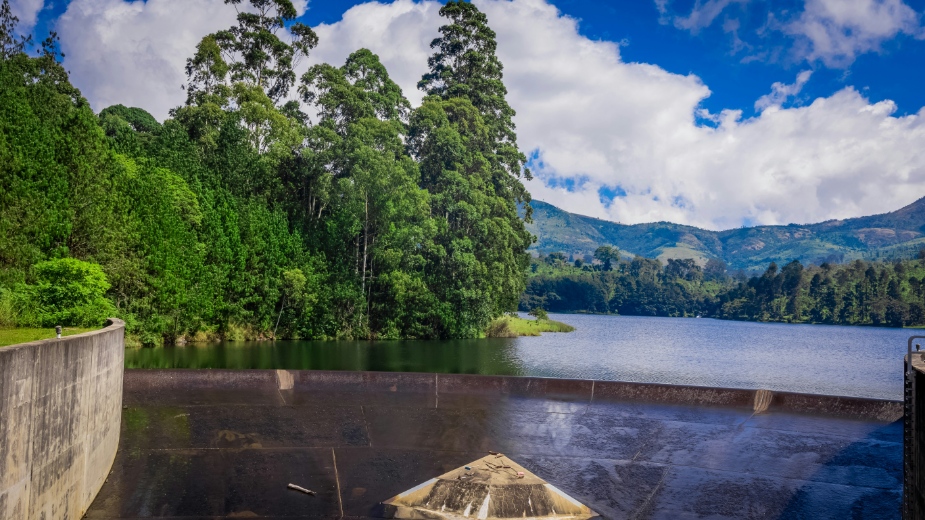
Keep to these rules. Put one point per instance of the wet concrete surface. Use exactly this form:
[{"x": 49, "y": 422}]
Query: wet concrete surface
[{"x": 213, "y": 445}]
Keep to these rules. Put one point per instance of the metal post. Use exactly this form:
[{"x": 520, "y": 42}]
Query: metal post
[
  {"x": 911, "y": 339},
  {"x": 58, "y": 330}
]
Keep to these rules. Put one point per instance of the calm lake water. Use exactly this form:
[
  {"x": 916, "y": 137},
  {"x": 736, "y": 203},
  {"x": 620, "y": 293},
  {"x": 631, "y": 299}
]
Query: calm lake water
[{"x": 819, "y": 359}]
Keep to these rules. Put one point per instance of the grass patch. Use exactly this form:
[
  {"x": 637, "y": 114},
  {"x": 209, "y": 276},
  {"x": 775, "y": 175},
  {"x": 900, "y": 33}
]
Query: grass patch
[
  {"x": 510, "y": 327},
  {"x": 25, "y": 335}
]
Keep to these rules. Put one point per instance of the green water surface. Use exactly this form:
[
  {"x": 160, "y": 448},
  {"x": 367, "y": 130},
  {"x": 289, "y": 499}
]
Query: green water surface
[{"x": 482, "y": 356}]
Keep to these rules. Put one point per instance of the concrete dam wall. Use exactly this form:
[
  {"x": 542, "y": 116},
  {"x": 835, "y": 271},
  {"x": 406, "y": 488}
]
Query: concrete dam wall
[
  {"x": 914, "y": 433},
  {"x": 60, "y": 417}
]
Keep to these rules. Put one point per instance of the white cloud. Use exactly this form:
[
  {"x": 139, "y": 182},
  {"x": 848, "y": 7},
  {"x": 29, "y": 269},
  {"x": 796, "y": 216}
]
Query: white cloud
[
  {"x": 781, "y": 92},
  {"x": 588, "y": 115},
  {"x": 399, "y": 33},
  {"x": 702, "y": 15},
  {"x": 134, "y": 53},
  {"x": 27, "y": 11},
  {"x": 837, "y": 31},
  {"x": 834, "y": 32},
  {"x": 593, "y": 116}
]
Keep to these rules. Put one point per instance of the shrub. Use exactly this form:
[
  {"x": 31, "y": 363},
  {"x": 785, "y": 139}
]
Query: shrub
[
  {"x": 9, "y": 317},
  {"x": 499, "y": 328},
  {"x": 67, "y": 292},
  {"x": 539, "y": 313}
]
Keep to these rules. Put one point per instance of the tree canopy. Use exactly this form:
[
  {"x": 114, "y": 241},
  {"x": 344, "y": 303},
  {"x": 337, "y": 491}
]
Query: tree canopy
[{"x": 239, "y": 217}]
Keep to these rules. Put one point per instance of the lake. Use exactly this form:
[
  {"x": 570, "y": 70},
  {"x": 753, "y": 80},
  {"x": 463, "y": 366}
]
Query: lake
[{"x": 817, "y": 359}]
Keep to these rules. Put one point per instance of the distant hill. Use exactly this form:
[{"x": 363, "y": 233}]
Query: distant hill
[{"x": 900, "y": 234}]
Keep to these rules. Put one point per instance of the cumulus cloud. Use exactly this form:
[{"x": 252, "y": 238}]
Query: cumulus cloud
[
  {"x": 609, "y": 138},
  {"x": 399, "y": 33},
  {"x": 837, "y": 31},
  {"x": 834, "y": 32},
  {"x": 633, "y": 129},
  {"x": 27, "y": 11},
  {"x": 781, "y": 92},
  {"x": 134, "y": 53},
  {"x": 702, "y": 14}
]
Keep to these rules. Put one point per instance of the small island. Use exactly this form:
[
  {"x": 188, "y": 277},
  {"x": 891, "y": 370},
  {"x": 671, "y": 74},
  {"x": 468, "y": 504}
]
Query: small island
[{"x": 513, "y": 326}]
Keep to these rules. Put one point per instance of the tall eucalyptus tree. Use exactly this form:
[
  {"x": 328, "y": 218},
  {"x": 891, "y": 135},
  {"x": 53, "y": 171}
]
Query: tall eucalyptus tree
[
  {"x": 464, "y": 138},
  {"x": 363, "y": 187}
]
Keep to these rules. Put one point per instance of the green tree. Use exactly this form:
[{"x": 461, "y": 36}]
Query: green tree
[
  {"x": 359, "y": 175},
  {"x": 248, "y": 69},
  {"x": 67, "y": 291},
  {"x": 607, "y": 256},
  {"x": 465, "y": 65},
  {"x": 294, "y": 282},
  {"x": 685, "y": 269},
  {"x": 464, "y": 137},
  {"x": 56, "y": 170},
  {"x": 11, "y": 43},
  {"x": 477, "y": 269},
  {"x": 715, "y": 270},
  {"x": 555, "y": 258}
]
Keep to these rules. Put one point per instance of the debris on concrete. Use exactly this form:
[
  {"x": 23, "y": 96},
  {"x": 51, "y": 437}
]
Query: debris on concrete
[{"x": 302, "y": 489}]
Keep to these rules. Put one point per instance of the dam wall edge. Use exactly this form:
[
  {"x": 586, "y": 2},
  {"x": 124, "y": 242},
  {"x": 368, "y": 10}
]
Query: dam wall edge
[
  {"x": 572, "y": 390},
  {"x": 60, "y": 420}
]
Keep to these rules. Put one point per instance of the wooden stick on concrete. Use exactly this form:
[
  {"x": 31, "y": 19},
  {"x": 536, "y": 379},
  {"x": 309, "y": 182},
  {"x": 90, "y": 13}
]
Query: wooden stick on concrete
[{"x": 302, "y": 489}]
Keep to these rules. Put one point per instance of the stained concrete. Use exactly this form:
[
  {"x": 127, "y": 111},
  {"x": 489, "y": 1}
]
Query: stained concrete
[
  {"x": 492, "y": 487},
  {"x": 224, "y": 444},
  {"x": 60, "y": 413}
]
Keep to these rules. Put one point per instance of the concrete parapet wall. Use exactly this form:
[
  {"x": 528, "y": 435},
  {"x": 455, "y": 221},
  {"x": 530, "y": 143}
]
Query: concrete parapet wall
[
  {"x": 60, "y": 417},
  {"x": 440, "y": 386}
]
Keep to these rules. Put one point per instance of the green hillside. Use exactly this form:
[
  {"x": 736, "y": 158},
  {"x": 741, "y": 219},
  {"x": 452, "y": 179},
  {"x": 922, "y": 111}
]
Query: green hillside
[{"x": 899, "y": 234}]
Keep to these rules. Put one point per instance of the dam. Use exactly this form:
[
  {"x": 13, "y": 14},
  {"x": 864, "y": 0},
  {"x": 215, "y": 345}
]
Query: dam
[
  {"x": 226, "y": 443},
  {"x": 201, "y": 443}
]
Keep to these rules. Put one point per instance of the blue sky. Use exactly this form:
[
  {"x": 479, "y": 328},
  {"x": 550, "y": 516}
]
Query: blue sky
[
  {"x": 715, "y": 113},
  {"x": 896, "y": 73}
]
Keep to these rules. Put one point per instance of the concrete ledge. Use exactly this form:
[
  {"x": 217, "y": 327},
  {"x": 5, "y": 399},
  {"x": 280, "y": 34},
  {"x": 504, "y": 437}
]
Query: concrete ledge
[
  {"x": 60, "y": 417},
  {"x": 152, "y": 379},
  {"x": 435, "y": 387}
]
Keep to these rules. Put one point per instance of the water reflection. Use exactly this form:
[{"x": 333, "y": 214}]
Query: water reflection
[{"x": 487, "y": 356}]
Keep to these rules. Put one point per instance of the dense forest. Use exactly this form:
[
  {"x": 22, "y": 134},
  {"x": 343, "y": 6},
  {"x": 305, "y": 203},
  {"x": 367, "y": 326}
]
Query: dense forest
[
  {"x": 856, "y": 293},
  {"x": 268, "y": 204}
]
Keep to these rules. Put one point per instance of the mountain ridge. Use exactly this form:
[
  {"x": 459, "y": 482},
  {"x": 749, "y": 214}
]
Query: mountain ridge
[{"x": 896, "y": 234}]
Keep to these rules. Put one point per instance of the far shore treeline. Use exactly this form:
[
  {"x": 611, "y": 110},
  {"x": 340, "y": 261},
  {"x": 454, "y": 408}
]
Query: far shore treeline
[
  {"x": 268, "y": 205},
  {"x": 857, "y": 293}
]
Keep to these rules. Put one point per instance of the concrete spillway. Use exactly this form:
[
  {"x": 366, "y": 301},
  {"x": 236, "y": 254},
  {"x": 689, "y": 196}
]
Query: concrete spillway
[{"x": 215, "y": 443}]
